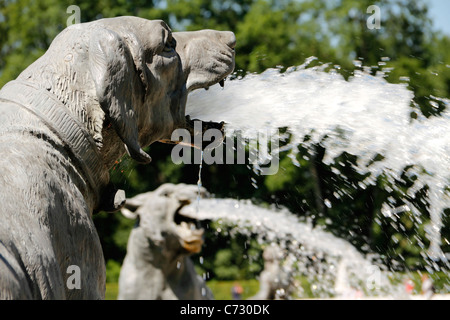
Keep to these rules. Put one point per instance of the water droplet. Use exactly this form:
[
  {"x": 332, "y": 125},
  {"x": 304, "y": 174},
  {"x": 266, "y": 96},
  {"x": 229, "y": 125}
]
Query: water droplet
[
  {"x": 404, "y": 78},
  {"x": 357, "y": 63}
]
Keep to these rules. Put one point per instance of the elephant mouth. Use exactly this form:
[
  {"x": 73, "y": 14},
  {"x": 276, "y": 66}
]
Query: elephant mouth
[
  {"x": 189, "y": 234},
  {"x": 190, "y": 124}
]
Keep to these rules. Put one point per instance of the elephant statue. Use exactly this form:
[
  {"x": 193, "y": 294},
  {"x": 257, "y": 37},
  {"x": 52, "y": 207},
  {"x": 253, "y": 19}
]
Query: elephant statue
[
  {"x": 102, "y": 89},
  {"x": 157, "y": 264}
]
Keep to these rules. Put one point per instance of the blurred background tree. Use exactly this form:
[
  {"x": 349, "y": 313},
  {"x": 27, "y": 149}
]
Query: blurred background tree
[{"x": 272, "y": 33}]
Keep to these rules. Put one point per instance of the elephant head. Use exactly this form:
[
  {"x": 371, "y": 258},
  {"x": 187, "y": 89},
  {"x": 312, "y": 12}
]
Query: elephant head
[
  {"x": 158, "y": 264},
  {"x": 128, "y": 78},
  {"x": 143, "y": 73},
  {"x": 160, "y": 218}
]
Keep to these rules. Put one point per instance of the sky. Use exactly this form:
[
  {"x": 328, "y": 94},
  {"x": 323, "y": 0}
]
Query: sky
[{"x": 440, "y": 13}]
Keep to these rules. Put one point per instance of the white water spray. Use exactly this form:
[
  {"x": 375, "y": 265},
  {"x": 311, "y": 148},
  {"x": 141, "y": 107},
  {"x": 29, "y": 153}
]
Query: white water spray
[
  {"x": 365, "y": 116},
  {"x": 325, "y": 259}
]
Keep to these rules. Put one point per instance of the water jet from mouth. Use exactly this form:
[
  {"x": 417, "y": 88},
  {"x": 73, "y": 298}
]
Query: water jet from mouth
[{"x": 364, "y": 116}]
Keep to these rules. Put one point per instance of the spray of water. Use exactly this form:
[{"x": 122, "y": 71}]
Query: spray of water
[
  {"x": 364, "y": 116},
  {"x": 332, "y": 265}
]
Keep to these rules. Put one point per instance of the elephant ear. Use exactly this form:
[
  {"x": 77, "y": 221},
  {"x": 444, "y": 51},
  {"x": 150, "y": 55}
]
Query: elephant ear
[{"x": 112, "y": 68}]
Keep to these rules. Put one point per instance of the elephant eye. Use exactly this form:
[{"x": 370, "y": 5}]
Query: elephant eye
[
  {"x": 170, "y": 44},
  {"x": 165, "y": 194}
]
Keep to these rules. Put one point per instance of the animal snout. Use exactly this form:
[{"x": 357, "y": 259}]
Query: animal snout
[
  {"x": 229, "y": 38},
  {"x": 184, "y": 201},
  {"x": 224, "y": 37}
]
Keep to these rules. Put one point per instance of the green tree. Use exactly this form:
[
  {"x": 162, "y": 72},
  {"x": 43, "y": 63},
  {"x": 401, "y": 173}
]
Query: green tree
[
  {"x": 279, "y": 33},
  {"x": 27, "y": 29}
]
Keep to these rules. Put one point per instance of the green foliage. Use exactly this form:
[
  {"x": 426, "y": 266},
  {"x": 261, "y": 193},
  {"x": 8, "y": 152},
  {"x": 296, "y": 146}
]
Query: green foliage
[
  {"x": 112, "y": 271},
  {"x": 222, "y": 289},
  {"x": 228, "y": 255},
  {"x": 112, "y": 291},
  {"x": 27, "y": 30}
]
